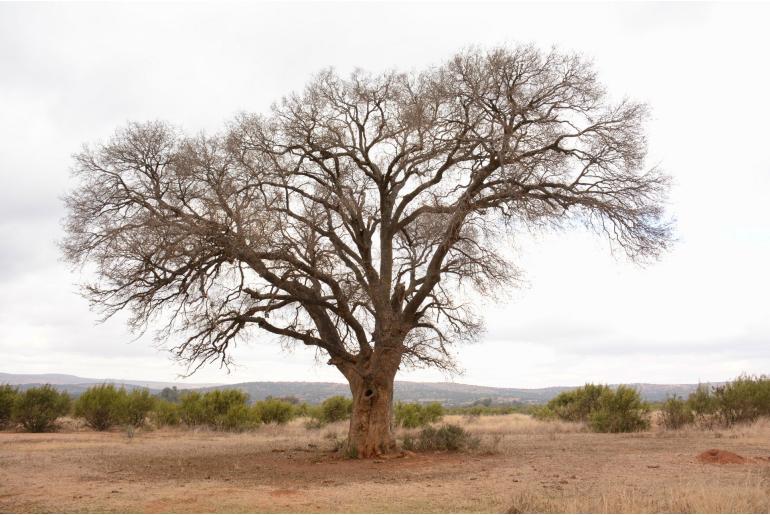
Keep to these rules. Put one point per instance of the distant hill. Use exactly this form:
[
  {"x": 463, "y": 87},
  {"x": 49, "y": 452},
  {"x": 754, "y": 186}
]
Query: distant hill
[
  {"x": 450, "y": 394},
  {"x": 76, "y": 385}
]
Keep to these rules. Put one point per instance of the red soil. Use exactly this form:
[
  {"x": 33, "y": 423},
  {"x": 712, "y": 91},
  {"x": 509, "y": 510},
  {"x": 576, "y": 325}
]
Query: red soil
[{"x": 719, "y": 457}]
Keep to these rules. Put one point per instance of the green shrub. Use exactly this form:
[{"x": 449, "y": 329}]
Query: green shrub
[
  {"x": 543, "y": 412},
  {"x": 274, "y": 411},
  {"x": 238, "y": 417},
  {"x": 137, "y": 405},
  {"x": 169, "y": 394},
  {"x": 165, "y": 413},
  {"x": 191, "y": 410},
  {"x": 336, "y": 408},
  {"x": 433, "y": 411},
  {"x": 408, "y": 414},
  {"x": 227, "y": 410},
  {"x": 448, "y": 437},
  {"x": 413, "y": 414},
  {"x": 101, "y": 406},
  {"x": 577, "y": 405},
  {"x": 38, "y": 408},
  {"x": 701, "y": 401},
  {"x": 676, "y": 413},
  {"x": 477, "y": 410},
  {"x": 620, "y": 411},
  {"x": 7, "y": 397},
  {"x": 604, "y": 409},
  {"x": 303, "y": 409},
  {"x": 744, "y": 399},
  {"x": 218, "y": 409}
]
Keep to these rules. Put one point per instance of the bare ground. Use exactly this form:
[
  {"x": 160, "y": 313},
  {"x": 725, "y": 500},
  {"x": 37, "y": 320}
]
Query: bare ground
[{"x": 522, "y": 466}]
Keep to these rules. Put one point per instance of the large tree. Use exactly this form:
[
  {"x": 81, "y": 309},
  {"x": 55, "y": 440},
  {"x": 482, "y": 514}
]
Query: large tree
[{"x": 353, "y": 215}]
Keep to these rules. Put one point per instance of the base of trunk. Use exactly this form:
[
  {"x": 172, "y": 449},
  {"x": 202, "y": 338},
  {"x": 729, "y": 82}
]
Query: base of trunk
[{"x": 371, "y": 433}]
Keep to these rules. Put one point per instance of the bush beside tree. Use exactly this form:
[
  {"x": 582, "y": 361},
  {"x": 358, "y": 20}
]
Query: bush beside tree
[
  {"x": 448, "y": 437},
  {"x": 414, "y": 414},
  {"x": 336, "y": 408}
]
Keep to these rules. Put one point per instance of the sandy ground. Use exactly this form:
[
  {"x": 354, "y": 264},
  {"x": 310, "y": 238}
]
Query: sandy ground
[{"x": 521, "y": 466}]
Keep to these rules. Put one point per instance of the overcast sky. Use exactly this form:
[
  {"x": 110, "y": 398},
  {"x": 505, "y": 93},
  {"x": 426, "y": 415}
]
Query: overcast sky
[{"x": 72, "y": 73}]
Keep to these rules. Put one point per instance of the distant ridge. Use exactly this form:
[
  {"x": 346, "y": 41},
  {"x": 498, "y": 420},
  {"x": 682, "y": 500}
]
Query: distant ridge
[
  {"x": 451, "y": 394},
  {"x": 75, "y": 384}
]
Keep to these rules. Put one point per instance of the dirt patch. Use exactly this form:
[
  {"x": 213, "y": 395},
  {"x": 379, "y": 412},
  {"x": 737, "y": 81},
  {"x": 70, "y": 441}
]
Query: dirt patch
[
  {"x": 720, "y": 457},
  {"x": 247, "y": 466},
  {"x": 283, "y": 492},
  {"x": 534, "y": 469}
]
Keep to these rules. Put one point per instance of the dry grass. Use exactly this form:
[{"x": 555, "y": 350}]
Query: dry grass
[
  {"x": 523, "y": 465},
  {"x": 748, "y": 495},
  {"x": 514, "y": 424}
]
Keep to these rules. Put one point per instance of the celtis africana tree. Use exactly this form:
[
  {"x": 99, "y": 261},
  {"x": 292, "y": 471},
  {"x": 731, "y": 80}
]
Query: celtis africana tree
[{"x": 349, "y": 216}]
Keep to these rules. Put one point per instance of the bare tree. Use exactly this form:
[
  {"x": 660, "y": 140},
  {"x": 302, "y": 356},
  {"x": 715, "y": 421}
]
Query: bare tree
[{"x": 348, "y": 217}]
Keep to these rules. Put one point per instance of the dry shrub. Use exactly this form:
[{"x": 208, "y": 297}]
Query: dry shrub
[
  {"x": 336, "y": 408},
  {"x": 675, "y": 414},
  {"x": 448, "y": 437}
]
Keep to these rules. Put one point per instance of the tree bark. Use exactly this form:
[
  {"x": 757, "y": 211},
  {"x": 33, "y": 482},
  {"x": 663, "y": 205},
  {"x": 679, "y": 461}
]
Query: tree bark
[{"x": 371, "y": 433}]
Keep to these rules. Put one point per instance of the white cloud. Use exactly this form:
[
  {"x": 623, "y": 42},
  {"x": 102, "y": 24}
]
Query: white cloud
[{"x": 72, "y": 73}]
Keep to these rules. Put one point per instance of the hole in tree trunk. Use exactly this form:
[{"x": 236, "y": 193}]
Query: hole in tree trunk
[{"x": 368, "y": 393}]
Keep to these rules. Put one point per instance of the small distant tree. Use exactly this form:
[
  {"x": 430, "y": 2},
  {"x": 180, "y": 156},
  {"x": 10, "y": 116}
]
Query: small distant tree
[
  {"x": 350, "y": 218},
  {"x": 37, "y": 409},
  {"x": 169, "y": 394}
]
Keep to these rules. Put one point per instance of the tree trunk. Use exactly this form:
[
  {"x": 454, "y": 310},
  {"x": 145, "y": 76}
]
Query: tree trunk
[{"x": 371, "y": 433}]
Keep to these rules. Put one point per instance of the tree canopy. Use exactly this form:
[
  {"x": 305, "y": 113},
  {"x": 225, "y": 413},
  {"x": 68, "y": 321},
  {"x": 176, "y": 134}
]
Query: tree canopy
[{"x": 348, "y": 216}]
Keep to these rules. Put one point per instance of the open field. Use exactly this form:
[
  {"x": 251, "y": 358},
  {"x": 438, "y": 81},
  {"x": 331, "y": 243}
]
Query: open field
[{"x": 522, "y": 465}]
